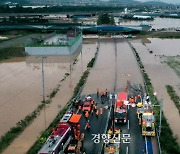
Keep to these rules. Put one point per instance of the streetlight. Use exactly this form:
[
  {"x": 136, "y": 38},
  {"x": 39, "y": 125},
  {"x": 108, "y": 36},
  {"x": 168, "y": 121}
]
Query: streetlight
[
  {"x": 43, "y": 87},
  {"x": 160, "y": 115},
  {"x": 42, "y": 70}
]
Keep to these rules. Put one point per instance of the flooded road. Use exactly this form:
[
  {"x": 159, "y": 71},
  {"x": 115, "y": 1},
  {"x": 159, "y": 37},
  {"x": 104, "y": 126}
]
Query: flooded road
[
  {"x": 161, "y": 74},
  {"x": 103, "y": 75}
]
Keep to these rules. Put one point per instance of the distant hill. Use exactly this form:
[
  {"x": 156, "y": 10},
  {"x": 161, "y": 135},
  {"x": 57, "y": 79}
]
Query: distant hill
[
  {"x": 44, "y": 2},
  {"x": 14, "y": 1}
]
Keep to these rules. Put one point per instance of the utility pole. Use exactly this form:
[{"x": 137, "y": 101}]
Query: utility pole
[
  {"x": 160, "y": 115},
  {"x": 113, "y": 103},
  {"x": 43, "y": 88},
  {"x": 161, "y": 104}
]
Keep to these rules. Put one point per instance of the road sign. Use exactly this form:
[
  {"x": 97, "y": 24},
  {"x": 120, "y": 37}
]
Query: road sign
[{"x": 133, "y": 105}]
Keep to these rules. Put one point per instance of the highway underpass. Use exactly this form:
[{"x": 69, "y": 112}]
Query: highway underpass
[{"x": 114, "y": 68}]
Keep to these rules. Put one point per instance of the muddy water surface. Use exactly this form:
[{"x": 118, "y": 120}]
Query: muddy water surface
[
  {"x": 21, "y": 89},
  {"x": 162, "y": 75},
  {"x": 157, "y": 23},
  {"x": 21, "y": 84},
  {"x": 102, "y": 75},
  {"x": 25, "y": 141}
]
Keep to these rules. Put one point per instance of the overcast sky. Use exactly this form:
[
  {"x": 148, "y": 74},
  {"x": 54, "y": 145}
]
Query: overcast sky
[{"x": 166, "y": 1}]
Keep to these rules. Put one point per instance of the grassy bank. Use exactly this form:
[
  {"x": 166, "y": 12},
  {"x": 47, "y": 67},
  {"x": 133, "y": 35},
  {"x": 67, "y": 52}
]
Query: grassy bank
[
  {"x": 16, "y": 51},
  {"x": 174, "y": 63},
  {"x": 168, "y": 142},
  {"x": 174, "y": 97}
]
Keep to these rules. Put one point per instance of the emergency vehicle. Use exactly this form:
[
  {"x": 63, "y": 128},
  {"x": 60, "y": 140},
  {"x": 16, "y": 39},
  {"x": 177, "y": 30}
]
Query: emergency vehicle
[
  {"x": 148, "y": 124},
  {"x": 66, "y": 138},
  {"x": 121, "y": 108}
]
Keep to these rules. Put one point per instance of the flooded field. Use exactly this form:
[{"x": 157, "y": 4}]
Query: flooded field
[
  {"x": 24, "y": 141},
  {"x": 21, "y": 83},
  {"x": 157, "y": 23},
  {"x": 161, "y": 74},
  {"x": 21, "y": 87}
]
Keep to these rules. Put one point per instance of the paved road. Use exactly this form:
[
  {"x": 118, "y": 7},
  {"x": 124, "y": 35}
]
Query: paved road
[
  {"x": 98, "y": 126},
  {"x": 124, "y": 67}
]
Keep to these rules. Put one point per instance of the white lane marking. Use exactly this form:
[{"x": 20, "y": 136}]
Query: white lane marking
[
  {"x": 128, "y": 124},
  {"x": 127, "y": 150},
  {"x": 77, "y": 111},
  {"x": 146, "y": 145}
]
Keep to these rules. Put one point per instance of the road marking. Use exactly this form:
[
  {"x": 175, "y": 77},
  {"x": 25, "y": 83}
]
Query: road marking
[
  {"x": 127, "y": 150},
  {"x": 128, "y": 124},
  {"x": 146, "y": 145},
  {"x": 77, "y": 111}
]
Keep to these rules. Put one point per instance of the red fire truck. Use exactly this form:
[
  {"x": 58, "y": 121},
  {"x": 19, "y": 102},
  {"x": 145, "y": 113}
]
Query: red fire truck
[{"x": 121, "y": 108}]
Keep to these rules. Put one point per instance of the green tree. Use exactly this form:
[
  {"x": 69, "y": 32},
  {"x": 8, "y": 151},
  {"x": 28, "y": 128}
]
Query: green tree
[
  {"x": 105, "y": 19},
  {"x": 112, "y": 22}
]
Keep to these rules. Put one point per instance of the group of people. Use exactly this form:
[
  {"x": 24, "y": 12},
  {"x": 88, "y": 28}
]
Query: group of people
[
  {"x": 104, "y": 95},
  {"x": 94, "y": 109}
]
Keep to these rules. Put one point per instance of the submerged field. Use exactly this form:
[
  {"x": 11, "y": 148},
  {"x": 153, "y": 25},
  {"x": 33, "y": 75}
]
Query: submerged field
[{"x": 152, "y": 53}]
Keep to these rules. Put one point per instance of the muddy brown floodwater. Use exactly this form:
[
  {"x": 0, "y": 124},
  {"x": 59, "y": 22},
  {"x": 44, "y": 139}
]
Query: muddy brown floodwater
[
  {"x": 161, "y": 74},
  {"x": 24, "y": 86},
  {"x": 157, "y": 23},
  {"x": 20, "y": 89}
]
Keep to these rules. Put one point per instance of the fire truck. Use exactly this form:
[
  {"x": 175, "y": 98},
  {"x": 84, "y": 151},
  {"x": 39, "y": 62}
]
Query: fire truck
[
  {"x": 58, "y": 140},
  {"x": 121, "y": 108},
  {"x": 66, "y": 138}
]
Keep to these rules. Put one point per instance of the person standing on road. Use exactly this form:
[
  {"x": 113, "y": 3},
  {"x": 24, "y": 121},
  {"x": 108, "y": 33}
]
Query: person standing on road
[
  {"x": 100, "y": 111},
  {"x": 86, "y": 115},
  {"x": 97, "y": 113},
  {"x": 88, "y": 126},
  {"x": 147, "y": 98},
  {"x": 92, "y": 111},
  {"x": 79, "y": 107},
  {"x": 95, "y": 107},
  {"x": 97, "y": 92},
  {"x": 106, "y": 92}
]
